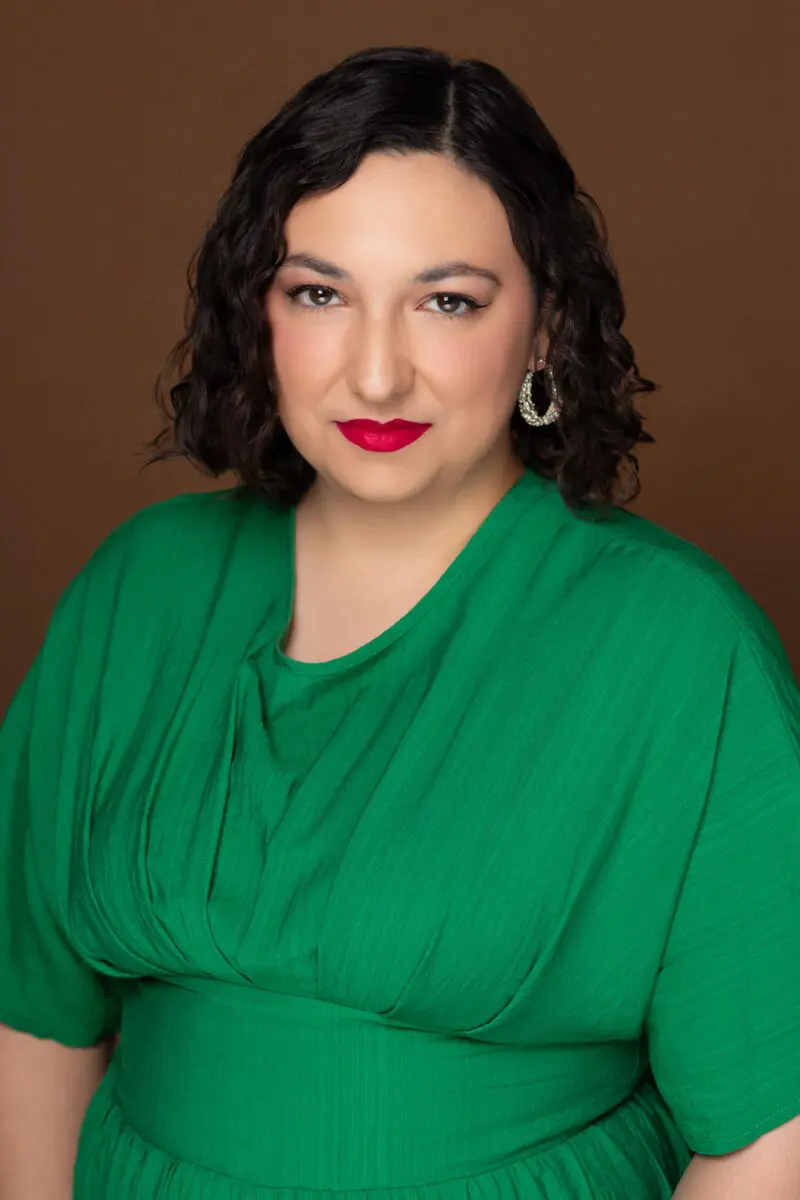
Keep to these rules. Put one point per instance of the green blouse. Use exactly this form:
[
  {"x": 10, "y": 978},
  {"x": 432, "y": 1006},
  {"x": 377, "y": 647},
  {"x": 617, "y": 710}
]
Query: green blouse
[{"x": 503, "y": 904}]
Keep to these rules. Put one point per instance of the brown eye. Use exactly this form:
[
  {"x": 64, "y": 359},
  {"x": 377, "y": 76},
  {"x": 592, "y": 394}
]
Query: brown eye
[
  {"x": 452, "y": 304},
  {"x": 318, "y": 295}
]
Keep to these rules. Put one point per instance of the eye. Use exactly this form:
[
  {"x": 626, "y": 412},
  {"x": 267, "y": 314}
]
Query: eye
[
  {"x": 315, "y": 292},
  {"x": 446, "y": 301}
]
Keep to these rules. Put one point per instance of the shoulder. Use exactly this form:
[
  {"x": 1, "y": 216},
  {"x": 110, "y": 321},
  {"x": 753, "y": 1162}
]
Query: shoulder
[
  {"x": 168, "y": 570},
  {"x": 679, "y": 636},
  {"x": 179, "y": 541},
  {"x": 631, "y": 588},
  {"x": 645, "y": 568},
  {"x": 185, "y": 528}
]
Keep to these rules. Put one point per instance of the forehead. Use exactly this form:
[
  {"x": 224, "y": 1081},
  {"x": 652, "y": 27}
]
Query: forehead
[{"x": 407, "y": 209}]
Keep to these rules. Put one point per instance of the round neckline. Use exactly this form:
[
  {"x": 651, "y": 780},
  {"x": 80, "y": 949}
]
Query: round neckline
[{"x": 522, "y": 490}]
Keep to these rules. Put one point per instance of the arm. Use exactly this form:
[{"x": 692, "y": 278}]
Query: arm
[
  {"x": 768, "y": 1168},
  {"x": 723, "y": 1022},
  {"x": 45, "y": 1089}
]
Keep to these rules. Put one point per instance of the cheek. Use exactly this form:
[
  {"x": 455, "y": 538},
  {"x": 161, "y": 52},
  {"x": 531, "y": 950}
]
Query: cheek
[
  {"x": 482, "y": 363},
  {"x": 303, "y": 349}
]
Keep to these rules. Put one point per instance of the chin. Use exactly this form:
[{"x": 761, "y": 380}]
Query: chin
[{"x": 377, "y": 482}]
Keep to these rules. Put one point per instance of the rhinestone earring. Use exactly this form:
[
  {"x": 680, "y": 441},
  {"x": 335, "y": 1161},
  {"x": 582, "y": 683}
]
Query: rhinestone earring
[{"x": 525, "y": 399}]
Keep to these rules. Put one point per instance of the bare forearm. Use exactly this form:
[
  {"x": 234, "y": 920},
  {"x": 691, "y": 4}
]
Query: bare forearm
[
  {"x": 711, "y": 1179},
  {"x": 45, "y": 1089},
  {"x": 768, "y": 1168}
]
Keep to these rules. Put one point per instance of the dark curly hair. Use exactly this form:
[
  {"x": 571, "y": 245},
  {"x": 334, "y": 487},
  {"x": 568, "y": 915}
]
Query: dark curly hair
[{"x": 405, "y": 99}]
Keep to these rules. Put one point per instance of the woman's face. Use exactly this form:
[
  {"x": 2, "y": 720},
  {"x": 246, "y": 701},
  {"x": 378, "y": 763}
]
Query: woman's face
[{"x": 358, "y": 335}]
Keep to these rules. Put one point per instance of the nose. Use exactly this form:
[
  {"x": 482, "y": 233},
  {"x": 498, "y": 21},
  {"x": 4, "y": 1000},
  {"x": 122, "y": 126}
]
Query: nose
[{"x": 379, "y": 366}]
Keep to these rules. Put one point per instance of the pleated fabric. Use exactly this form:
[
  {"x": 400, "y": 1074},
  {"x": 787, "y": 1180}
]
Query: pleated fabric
[{"x": 500, "y": 905}]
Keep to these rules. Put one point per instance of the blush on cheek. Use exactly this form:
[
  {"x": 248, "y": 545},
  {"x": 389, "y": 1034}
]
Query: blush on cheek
[
  {"x": 290, "y": 345},
  {"x": 482, "y": 370},
  {"x": 301, "y": 333},
  {"x": 305, "y": 362}
]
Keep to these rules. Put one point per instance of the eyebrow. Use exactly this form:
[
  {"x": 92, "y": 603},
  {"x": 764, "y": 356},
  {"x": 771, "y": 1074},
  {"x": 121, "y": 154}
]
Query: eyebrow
[{"x": 433, "y": 274}]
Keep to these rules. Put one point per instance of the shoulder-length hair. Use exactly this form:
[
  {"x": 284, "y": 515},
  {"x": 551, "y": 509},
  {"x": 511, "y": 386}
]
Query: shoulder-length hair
[{"x": 403, "y": 100}]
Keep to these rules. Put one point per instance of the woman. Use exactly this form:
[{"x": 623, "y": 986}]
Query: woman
[{"x": 426, "y": 821}]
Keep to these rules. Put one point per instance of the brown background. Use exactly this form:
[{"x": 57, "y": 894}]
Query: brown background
[{"x": 121, "y": 125}]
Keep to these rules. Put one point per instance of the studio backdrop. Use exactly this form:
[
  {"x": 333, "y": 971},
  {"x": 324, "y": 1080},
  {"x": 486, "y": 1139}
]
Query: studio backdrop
[{"x": 121, "y": 124}]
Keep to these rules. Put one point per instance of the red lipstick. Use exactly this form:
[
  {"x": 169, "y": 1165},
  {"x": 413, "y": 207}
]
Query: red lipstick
[{"x": 382, "y": 436}]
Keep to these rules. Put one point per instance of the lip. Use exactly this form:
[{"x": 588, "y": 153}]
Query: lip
[
  {"x": 395, "y": 424},
  {"x": 382, "y": 436}
]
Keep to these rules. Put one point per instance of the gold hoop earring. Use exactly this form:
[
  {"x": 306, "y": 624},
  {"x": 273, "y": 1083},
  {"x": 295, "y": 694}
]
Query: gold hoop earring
[{"x": 525, "y": 399}]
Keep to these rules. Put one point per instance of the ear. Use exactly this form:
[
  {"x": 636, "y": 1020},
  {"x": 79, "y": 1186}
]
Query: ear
[
  {"x": 539, "y": 352},
  {"x": 545, "y": 319}
]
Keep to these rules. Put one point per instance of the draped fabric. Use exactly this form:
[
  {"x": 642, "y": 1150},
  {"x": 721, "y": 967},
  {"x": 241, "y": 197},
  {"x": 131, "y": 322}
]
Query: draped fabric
[{"x": 502, "y": 904}]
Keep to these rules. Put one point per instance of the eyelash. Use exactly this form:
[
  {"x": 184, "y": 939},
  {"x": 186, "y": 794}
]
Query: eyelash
[{"x": 473, "y": 305}]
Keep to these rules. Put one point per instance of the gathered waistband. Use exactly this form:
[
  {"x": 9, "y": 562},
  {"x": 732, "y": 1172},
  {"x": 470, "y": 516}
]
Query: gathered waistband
[{"x": 291, "y": 1091}]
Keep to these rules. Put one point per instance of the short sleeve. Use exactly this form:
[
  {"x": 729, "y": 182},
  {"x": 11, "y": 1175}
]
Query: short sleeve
[
  {"x": 724, "y": 1019},
  {"x": 46, "y": 988}
]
